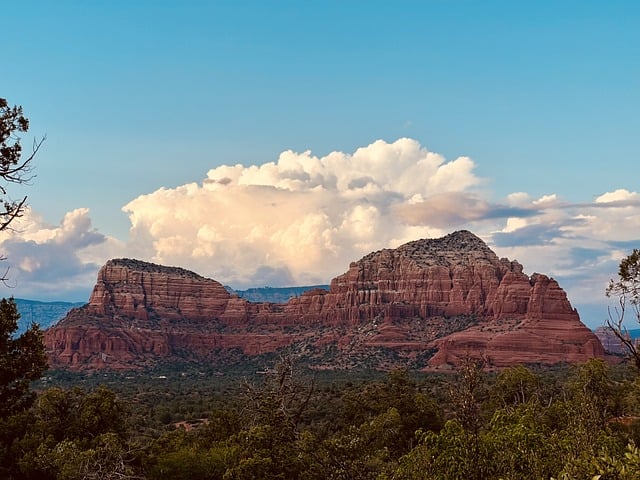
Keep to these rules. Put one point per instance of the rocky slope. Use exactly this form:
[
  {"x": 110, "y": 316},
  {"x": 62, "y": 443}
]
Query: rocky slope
[{"x": 426, "y": 304}]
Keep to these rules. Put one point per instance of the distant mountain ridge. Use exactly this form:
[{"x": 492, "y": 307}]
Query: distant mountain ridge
[
  {"x": 44, "y": 314},
  {"x": 273, "y": 294}
]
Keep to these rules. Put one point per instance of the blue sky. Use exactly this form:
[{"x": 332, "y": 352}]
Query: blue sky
[{"x": 142, "y": 100}]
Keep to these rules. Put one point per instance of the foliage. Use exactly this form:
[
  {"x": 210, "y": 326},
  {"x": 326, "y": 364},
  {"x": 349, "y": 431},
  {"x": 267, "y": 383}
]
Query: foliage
[
  {"x": 515, "y": 386},
  {"x": 13, "y": 168},
  {"x": 22, "y": 360},
  {"x": 79, "y": 416},
  {"x": 177, "y": 454},
  {"x": 269, "y": 440},
  {"x": 283, "y": 424},
  {"x": 627, "y": 291},
  {"x": 529, "y": 434},
  {"x": 66, "y": 460},
  {"x": 417, "y": 410},
  {"x": 69, "y": 434}
]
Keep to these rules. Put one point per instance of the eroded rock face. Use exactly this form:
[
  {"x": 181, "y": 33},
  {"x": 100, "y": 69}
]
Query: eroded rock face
[
  {"x": 135, "y": 289},
  {"x": 426, "y": 304}
]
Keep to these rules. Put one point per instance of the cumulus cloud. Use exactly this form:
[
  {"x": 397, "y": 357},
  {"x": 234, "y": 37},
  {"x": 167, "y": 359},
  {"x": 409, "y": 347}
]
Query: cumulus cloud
[
  {"x": 301, "y": 219},
  {"x": 306, "y": 215},
  {"x": 54, "y": 262}
]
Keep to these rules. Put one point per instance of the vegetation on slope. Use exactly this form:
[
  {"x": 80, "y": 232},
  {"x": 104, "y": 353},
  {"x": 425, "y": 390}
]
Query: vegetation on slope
[{"x": 285, "y": 422}]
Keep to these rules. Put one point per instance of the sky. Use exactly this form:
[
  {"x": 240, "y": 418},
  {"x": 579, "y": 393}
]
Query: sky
[{"x": 272, "y": 143}]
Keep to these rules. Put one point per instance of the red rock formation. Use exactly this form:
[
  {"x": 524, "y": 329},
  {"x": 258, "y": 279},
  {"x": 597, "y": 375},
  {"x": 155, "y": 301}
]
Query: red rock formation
[
  {"x": 426, "y": 304},
  {"x": 133, "y": 289}
]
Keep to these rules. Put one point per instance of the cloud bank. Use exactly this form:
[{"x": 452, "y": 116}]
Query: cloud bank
[
  {"x": 301, "y": 219},
  {"x": 54, "y": 262}
]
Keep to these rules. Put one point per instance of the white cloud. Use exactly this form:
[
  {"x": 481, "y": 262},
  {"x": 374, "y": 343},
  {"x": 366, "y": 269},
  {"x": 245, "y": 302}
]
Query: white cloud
[
  {"x": 306, "y": 214},
  {"x": 546, "y": 201},
  {"x": 518, "y": 199},
  {"x": 54, "y": 262},
  {"x": 302, "y": 219},
  {"x": 620, "y": 195},
  {"x": 579, "y": 244}
]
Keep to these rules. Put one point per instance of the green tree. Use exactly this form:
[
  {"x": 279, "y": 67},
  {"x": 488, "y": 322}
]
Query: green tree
[
  {"x": 107, "y": 459},
  {"x": 74, "y": 435},
  {"x": 417, "y": 410},
  {"x": 358, "y": 453},
  {"x": 269, "y": 445},
  {"x": 622, "y": 467},
  {"x": 514, "y": 386},
  {"x": 466, "y": 398},
  {"x": 458, "y": 450},
  {"x": 443, "y": 455},
  {"x": 580, "y": 420},
  {"x": 80, "y": 416},
  {"x": 179, "y": 454},
  {"x": 14, "y": 169},
  {"x": 627, "y": 292},
  {"x": 22, "y": 360}
]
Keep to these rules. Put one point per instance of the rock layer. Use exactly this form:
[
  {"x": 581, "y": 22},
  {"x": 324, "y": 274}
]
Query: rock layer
[{"x": 427, "y": 304}]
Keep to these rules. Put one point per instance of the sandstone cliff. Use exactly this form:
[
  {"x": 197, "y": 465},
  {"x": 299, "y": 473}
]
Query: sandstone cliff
[{"x": 426, "y": 304}]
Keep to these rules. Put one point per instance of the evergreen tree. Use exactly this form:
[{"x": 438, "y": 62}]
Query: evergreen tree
[{"x": 22, "y": 360}]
